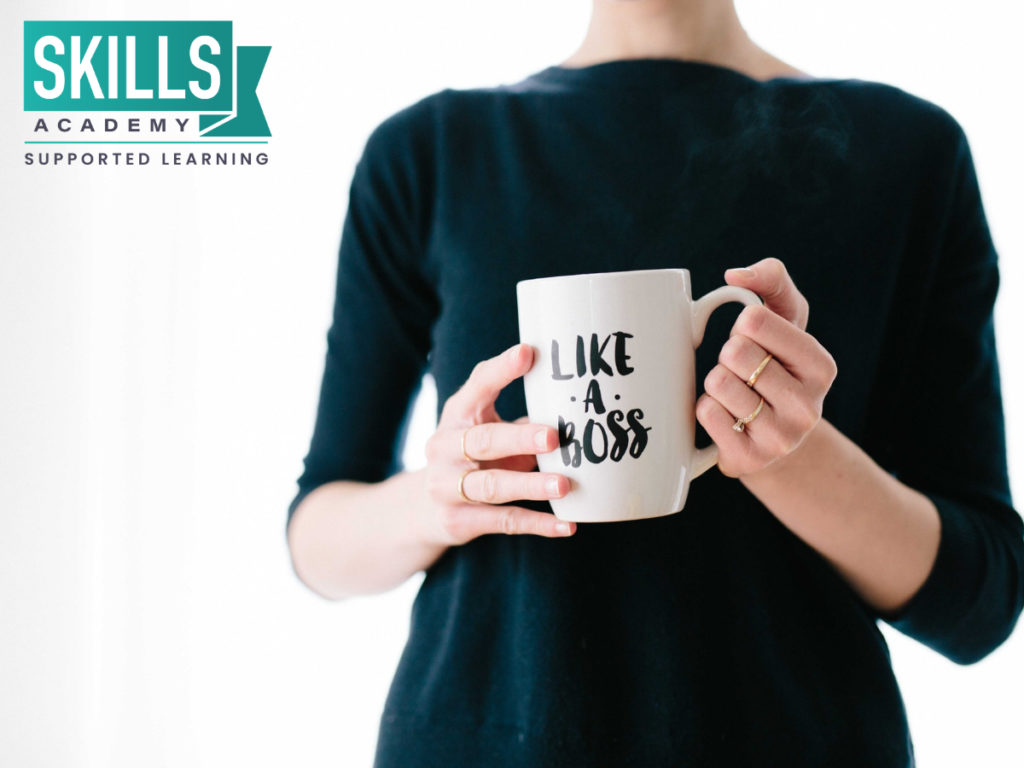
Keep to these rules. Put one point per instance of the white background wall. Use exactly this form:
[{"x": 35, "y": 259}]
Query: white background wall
[{"x": 161, "y": 346}]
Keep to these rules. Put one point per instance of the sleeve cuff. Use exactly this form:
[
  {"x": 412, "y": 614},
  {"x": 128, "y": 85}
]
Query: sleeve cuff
[
  {"x": 294, "y": 505},
  {"x": 944, "y": 613},
  {"x": 361, "y": 472}
]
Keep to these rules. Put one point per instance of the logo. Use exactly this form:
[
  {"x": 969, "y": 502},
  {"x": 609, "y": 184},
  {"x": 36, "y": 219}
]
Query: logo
[{"x": 89, "y": 84}]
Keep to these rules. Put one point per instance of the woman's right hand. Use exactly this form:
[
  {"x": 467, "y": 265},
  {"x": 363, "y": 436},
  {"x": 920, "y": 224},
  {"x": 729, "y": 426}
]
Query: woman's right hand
[{"x": 499, "y": 458}]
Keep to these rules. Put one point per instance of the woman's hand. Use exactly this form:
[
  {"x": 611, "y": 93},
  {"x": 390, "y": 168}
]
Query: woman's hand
[
  {"x": 793, "y": 383},
  {"x": 498, "y": 461}
]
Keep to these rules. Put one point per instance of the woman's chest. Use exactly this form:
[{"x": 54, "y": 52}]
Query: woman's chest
[{"x": 520, "y": 223}]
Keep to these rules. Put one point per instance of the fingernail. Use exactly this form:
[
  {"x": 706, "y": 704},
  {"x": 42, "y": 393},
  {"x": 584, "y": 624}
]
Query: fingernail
[
  {"x": 514, "y": 353},
  {"x": 552, "y": 486},
  {"x": 540, "y": 438},
  {"x": 563, "y": 528},
  {"x": 742, "y": 271}
]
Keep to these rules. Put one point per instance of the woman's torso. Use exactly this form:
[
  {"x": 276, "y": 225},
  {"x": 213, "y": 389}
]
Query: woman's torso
[{"x": 713, "y": 636}]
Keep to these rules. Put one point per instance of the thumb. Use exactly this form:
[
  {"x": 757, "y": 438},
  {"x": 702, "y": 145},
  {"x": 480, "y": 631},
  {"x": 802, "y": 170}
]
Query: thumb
[{"x": 770, "y": 280}]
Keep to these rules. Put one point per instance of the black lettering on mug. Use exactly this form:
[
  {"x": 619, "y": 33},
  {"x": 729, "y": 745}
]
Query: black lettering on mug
[
  {"x": 588, "y": 442},
  {"x": 597, "y": 363},
  {"x": 570, "y": 448},
  {"x": 593, "y": 398},
  {"x": 625, "y": 432},
  {"x": 620, "y": 435},
  {"x": 620, "y": 353},
  {"x": 556, "y": 368},
  {"x": 594, "y": 443},
  {"x": 639, "y": 432},
  {"x": 596, "y": 360}
]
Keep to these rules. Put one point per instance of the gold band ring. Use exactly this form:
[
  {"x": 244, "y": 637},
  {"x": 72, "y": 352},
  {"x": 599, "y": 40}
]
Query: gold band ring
[
  {"x": 759, "y": 370},
  {"x": 464, "y": 433},
  {"x": 462, "y": 492},
  {"x": 741, "y": 424}
]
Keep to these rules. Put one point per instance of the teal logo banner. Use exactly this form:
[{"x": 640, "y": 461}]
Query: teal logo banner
[{"x": 146, "y": 66}]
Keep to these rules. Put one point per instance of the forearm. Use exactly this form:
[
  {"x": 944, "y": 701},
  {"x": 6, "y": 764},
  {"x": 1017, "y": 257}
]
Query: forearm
[
  {"x": 881, "y": 535},
  {"x": 349, "y": 538}
]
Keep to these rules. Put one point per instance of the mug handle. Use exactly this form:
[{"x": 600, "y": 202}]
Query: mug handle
[{"x": 705, "y": 458}]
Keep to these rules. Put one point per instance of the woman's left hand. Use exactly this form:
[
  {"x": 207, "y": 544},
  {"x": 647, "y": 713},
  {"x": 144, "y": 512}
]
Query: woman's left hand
[{"x": 793, "y": 383}]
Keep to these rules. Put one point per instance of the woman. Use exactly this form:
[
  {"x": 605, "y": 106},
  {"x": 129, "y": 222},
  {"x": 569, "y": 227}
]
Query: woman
[{"x": 743, "y": 630}]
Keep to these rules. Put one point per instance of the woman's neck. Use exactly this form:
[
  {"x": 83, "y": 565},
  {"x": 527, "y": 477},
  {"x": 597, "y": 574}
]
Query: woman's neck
[{"x": 702, "y": 30}]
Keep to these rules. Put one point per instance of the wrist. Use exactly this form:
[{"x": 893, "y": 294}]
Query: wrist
[
  {"x": 794, "y": 461},
  {"x": 421, "y": 517}
]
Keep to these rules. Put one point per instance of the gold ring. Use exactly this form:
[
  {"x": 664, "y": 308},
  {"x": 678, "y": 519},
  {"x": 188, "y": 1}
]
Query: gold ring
[
  {"x": 741, "y": 424},
  {"x": 462, "y": 493},
  {"x": 759, "y": 370},
  {"x": 464, "y": 432}
]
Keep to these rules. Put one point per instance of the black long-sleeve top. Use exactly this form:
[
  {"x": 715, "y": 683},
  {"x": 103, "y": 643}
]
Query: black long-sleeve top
[{"x": 714, "y": 636}]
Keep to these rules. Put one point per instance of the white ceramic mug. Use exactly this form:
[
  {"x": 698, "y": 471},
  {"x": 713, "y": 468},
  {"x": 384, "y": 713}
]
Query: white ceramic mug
[{"x": 613, "y": 372}]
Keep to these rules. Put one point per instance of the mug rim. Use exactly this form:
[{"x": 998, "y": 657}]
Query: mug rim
[{"x": 607, "y": 274}]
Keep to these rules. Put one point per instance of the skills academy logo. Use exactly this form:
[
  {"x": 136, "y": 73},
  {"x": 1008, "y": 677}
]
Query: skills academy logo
[{"x": 96, "y": 90}]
